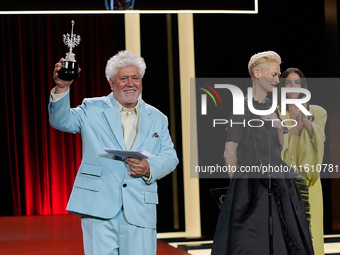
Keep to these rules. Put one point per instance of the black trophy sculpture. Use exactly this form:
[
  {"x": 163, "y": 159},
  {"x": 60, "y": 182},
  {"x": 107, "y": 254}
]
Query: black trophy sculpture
[{"x": 69, "y": 69}]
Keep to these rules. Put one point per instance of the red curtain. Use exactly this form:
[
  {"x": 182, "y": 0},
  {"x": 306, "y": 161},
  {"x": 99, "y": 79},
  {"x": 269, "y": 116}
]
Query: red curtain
[{"x": 40, "y": 163}]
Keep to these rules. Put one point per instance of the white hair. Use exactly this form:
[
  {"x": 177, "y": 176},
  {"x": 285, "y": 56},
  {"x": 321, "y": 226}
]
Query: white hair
[
  {"x": 262, "y": 57},
  {"x": 124, "y": 59}
]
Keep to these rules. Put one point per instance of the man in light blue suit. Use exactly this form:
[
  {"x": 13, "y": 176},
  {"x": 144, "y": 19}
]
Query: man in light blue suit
[{"x": 115, "y": 197}]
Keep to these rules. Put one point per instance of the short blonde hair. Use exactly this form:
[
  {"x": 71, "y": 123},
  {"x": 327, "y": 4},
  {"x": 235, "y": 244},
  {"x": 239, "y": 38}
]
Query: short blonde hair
[{"x": 262, "y": 57}]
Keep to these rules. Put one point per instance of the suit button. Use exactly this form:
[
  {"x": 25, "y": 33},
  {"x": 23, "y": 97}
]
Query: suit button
[{"x": 124, "y": 185}]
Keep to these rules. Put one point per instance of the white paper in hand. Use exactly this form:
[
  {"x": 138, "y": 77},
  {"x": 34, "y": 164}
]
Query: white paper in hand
[{"x": 141, "y": 154}]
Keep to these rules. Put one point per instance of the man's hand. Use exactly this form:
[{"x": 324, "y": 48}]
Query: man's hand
[
  {"x": 138, "y": 167},
  {"x": 62, "y": 86}
]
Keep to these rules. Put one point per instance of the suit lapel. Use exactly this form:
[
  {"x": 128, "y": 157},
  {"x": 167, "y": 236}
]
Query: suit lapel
[
  {"x": 112, "y": 116},
  {"x": 144, "y": 125}
]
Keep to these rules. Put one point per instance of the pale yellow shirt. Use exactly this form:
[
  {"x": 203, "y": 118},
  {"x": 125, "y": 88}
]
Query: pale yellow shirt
[{"x": 131, "y": 118}]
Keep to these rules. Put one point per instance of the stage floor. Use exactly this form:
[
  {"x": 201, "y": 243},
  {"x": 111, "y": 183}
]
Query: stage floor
[
  {"x": 203, "y": 247},
  {"x": 51, "y": 235},
  {"x": 61, "y": 235}
]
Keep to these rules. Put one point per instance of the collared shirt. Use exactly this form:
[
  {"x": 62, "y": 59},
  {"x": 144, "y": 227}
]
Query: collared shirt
[{"x": 129, "y": 119}]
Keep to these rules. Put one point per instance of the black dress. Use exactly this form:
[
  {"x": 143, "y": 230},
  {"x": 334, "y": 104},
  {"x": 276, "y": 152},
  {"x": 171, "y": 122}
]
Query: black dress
[{"x": 242, "y": 226}]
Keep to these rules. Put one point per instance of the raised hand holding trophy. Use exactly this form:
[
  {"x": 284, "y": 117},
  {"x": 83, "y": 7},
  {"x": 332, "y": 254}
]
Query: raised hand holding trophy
[{"x": 69, "y": 69}]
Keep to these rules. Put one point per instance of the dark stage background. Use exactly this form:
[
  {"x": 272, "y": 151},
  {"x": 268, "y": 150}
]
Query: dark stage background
[{"x": 40, "y": 163}]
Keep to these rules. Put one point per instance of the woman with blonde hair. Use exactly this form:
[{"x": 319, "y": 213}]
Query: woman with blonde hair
[{"x": 262, "y": 213}]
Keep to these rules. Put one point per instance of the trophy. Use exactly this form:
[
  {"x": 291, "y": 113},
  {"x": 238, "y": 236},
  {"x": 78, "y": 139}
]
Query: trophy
[{"x": 69, "y": 69}]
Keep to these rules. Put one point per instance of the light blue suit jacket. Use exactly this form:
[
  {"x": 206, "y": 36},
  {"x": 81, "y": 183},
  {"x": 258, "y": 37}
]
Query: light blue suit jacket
[{"x": 103, "y": 185}]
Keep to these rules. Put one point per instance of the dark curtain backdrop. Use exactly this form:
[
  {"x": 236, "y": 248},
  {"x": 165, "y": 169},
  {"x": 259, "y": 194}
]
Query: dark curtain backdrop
[{"x": 39, "y": 163}]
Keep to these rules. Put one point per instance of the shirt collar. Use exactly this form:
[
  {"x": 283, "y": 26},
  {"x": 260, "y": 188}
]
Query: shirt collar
[{"x": 135, "y": 109}]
